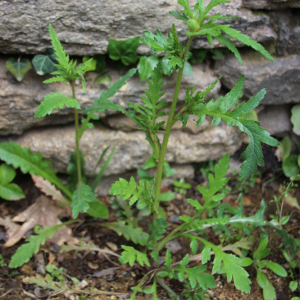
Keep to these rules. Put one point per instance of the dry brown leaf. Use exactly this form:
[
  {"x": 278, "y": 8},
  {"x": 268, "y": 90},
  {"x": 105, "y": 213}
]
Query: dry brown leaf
[
  {"x": 50, "y": 190},
  {"x": 291, "y": 201},
  {"x": 10, "y": 226},
  {"x": 43, "y": 212}
]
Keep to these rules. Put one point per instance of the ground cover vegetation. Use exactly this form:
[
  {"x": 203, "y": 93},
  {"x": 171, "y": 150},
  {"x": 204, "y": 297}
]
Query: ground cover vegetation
[{"x": 146, "y": 248}]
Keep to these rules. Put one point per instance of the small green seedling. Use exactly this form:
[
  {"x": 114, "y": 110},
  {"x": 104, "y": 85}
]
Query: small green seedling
[
  {"x": 260, "y": 264},
  {"x": 181, "y": 186}
]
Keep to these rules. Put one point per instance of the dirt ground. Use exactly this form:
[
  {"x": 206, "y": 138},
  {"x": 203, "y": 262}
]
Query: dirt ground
[{"x": 107, "y": 274}]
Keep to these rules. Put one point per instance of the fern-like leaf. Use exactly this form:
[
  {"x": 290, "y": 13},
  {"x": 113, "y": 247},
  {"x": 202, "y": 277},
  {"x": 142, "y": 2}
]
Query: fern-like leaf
[
  {"x": 81, "y": 198},
  {"x": 56, "y": 79},
  {"x": 13, "y": 154},
  {"x": 219, "y": 109},
  {"x": 130, "y": 233},
  {"x": 61, "y": 56},
  {"x": 54, "y": 101},
  {"x": 130, "y": 255},
  {"x": 235, "y": 34},
  {"x": 25, "y": 252}
]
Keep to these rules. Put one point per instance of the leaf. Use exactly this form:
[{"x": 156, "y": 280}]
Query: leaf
[
  {"x": 222, "y": 39},
  {"x": 293, "y": 285},
  {"x": 246, "y": 40},
  {"x": 92, "y": 65},
  {"x": 146, "y": 66},
  {"x": 49, "y": 189},
  {"x": 295, "y": 119},
  {"x": 103, "y": 103},
  {"x": 290, "y": 166},
  {"x": 285, "y": 147},
  {"x": 98, "y": 210},
  {"x": 43, "y": 212},
  {"x": 261, "y": 279},
  {"x": 25, "y": 252},
  {"x": 130, "y": 255},
  {"x": 43, "y": 64},
  {"x": 124, "y": 50},
  {"x": 130, "y": 233},
  {"x": 157, "y": 229},
  {"x": 61, "y": 56},
  {"x": 275, "y": 268},
  {"x": 219, "y": 109},
  {"x": 54, "y": 101},
  {"x": 8, "y": 190},
  {"x": 81, "y": 198},
  {"x": 33, "y": 163},
  {"x": 269, "y": 292},
  {"x": 18, "y": 67}
]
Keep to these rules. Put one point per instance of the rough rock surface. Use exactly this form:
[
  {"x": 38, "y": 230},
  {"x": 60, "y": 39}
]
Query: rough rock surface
[
  {"x": 281, "y": 78},
  {"x": 85, "y": 27},
  {"x": 132, "y": 150},
  {"x": 19, "y": 100},
  {"x": 270, "y": 4},
  {"x": 276, "y": 119}
]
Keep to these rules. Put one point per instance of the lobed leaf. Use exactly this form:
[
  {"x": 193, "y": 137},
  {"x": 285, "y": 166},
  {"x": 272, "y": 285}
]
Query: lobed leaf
[
  {"x": 54, "y": 101},
  {"x": 130, "y": 255},
  {"x": 82, "y": 196}
]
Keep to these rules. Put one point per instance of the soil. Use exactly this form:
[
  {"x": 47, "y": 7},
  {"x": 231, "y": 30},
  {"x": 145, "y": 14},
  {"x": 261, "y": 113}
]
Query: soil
[{"x": 117, "y": 278}]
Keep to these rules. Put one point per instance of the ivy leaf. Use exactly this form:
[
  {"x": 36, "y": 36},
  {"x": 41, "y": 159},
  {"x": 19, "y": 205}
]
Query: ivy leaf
[
  {"x": 18, "y": 67},
  {"x": 146, "y": 66},
  {"x": 25, "y": 252},
  {"x": 8, "y": 190},
  {"x": 124, "y": 50},
  {"x": 81, "y": 198},
  {"x": 54, "y": 101},
  {"x": 130, "y": 233},
  {"x": 43, "y": 64},
  {"x": 130, "y": 255}
]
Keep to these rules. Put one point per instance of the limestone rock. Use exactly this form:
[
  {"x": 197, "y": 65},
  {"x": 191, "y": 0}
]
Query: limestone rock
[
  {"x": 132, "y": 150},
  {"x": 19, "y": 100},
  {"x": 276, "y": 119},
  {"x": 271, "y": 4},
  {"x": 85, "y": 27},
  {"x": 281, "y": 77}
]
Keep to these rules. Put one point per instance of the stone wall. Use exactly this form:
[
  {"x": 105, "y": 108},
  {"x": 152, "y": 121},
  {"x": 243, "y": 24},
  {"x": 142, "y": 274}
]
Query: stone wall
[{"x": 85, "y": 27}]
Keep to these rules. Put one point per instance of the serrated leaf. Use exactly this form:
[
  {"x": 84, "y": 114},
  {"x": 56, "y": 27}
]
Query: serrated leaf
[
  {"x": 146, "y": 66},
  {"x": 12, "y": 153},
  {"x": 25, "y": 252},
  {"x": 158, "y": 228},
  {"x": 54, "y": 101},
  {"x": 130, "y": 233},
  {"x": 130, "y": 255},
  {"x": 128, "y": 190},
  {"x": 61, "y": 56},
  {"x": 8, "y": 190},
  {"x": 81, "y": 198},
  {"x": 43, "y": 64},
  {"x": 56, "y": 79},
  {"x": 246, "y": 40},
  {"x": 18, "y": 67},
  {"x": 124, "y": 50}
]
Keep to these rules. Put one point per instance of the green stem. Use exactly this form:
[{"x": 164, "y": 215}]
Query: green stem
[
  {"x": 169, "y": 127},
  {"x": 171, "y": 293},
  {"x": 77, "y": 137}
]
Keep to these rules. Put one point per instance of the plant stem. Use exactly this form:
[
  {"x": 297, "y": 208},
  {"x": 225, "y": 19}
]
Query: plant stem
[
  {"x": 77, "y": 137},
  {"x": 171, "y": 293},
  {"x": 164, "y": 145}
]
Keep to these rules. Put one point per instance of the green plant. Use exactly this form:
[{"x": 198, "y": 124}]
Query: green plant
[
  {"x": 8, "y": 190},
  {"x": 148, "y": 191},
  {"x": 2, "y": 262},
  {"x": 181, "y": 186},
  {"x": 260, "y": 264}
]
